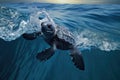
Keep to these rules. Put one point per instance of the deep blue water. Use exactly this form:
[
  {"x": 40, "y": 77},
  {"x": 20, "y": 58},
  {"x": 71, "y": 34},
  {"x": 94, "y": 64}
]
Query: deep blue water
[{"x": 93, "y": 25}]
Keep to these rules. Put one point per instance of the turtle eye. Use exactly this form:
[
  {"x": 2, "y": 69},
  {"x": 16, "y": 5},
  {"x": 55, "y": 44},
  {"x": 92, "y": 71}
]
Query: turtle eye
[{"x": 49, "y": 26}]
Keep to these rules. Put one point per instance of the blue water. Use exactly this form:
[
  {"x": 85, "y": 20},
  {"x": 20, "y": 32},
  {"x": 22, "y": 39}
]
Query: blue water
[{"x": 96, "y": 27}]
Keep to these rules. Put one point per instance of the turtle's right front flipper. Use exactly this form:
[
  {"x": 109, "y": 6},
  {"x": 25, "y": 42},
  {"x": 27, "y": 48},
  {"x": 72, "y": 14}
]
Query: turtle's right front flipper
[{"x": 31, "y": 36}]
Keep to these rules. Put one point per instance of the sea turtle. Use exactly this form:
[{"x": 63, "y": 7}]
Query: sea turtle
[{"x": 59, "y": 38}]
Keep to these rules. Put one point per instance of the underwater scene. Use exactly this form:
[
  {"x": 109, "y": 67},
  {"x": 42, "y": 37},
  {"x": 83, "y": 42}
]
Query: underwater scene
[{"x": 96, "y": 28}]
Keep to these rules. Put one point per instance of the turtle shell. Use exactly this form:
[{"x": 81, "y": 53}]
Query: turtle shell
[{"x": 66, "y": 35}]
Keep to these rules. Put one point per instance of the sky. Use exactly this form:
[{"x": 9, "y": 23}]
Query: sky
[{"x": 65, "y": 1}]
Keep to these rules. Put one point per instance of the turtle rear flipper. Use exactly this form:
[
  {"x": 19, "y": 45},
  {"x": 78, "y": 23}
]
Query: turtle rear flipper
[
  {"x": 46, "y": 54},
  {"x": 78, "y": 60}
]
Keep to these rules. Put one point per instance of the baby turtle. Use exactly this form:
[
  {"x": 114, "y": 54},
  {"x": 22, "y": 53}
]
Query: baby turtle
[{"x": 59, "y": 38}]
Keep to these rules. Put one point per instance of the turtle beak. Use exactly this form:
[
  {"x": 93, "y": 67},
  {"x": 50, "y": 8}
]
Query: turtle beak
[
  {"x": 49, "y": 31},
  {"x": 43, "y": 26}
]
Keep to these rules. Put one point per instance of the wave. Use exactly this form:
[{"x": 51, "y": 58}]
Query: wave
[{"x": 86, "y": 24}]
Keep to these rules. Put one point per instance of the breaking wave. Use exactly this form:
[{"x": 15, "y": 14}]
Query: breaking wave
[{"x": 87, "y": 25}]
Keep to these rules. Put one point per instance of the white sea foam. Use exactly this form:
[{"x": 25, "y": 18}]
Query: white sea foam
[
  {"x": 33, "y": 24},
  {"x": 86, "y": 39}
]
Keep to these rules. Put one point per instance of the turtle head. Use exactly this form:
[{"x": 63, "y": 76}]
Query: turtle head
[{"x": 47, "y": 29}]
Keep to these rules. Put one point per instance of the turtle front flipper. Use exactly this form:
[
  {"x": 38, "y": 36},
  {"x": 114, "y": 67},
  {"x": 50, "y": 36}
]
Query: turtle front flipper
[
  {"x": 77, "y": 59},
  {"x": 46, "y": 54},
  {"x": 31, "y": 36}
]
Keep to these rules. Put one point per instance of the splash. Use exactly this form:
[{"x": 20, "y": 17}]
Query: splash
[{"x": 13, "y": 23}]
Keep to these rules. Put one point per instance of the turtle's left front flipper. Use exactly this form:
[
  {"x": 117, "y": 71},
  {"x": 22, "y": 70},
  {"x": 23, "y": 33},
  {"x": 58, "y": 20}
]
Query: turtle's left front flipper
[
  {"x": 46, "y": 54},
  {"x": 77, "y": 59}
]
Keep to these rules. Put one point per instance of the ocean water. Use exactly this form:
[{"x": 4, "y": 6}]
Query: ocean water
[{"x": 97, "y": 31}]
